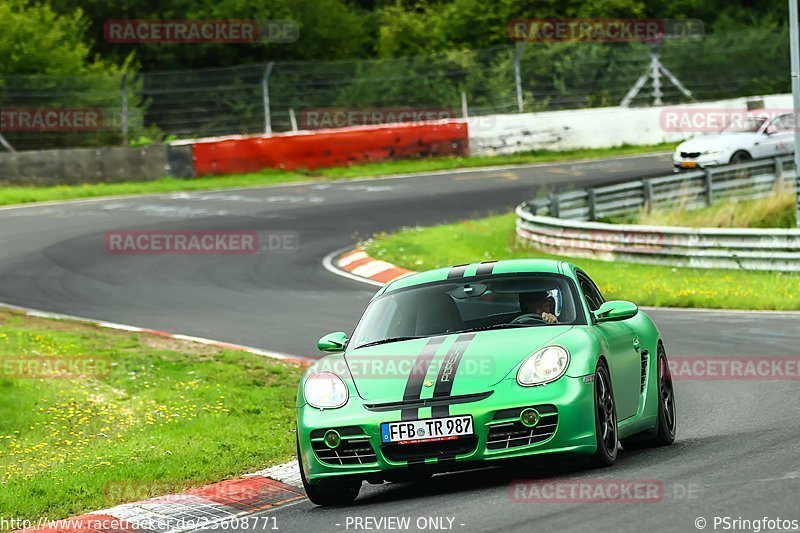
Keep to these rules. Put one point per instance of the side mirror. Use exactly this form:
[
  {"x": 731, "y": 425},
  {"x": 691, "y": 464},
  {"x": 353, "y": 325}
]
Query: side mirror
[
  {"x": 333, "y": 342},
  {"x": 616, "y": 310}
]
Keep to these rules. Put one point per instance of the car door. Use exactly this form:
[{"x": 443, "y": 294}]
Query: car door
[
  {"x": 623, "y": 356},
  {"x": 778, "y": 137}
]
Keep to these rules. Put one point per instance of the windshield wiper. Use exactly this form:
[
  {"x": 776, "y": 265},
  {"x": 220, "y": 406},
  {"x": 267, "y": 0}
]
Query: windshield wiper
[
  {"x": 498, "y": 326},
  {"x": 390, "y": 339}
]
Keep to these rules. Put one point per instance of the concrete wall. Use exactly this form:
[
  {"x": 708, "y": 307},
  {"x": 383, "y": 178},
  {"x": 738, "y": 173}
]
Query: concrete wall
[
  {"x": 495, "y": 134},
  {"x": 603, "y": 127},
  {"x": 95, "y": 165}
]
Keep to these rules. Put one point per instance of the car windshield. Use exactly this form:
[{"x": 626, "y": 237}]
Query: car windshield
[
  {"x": 461, "y": 306},
  {"x": 747, "y": 124}
]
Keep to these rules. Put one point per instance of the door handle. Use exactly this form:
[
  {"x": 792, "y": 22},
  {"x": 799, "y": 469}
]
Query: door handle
[{"x": 637, "y": 345}]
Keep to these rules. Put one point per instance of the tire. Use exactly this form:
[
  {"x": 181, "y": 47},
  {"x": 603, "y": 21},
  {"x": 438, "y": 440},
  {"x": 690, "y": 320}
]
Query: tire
[
  {"x": 663, "y": 434},
  {"x": 605, "y": 419},
  {"x": 741, "y": 156},
  {"x": 339, "y": 492}
]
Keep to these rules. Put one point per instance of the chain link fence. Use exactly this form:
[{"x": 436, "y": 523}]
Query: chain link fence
[{"x": 286, "y": 96}]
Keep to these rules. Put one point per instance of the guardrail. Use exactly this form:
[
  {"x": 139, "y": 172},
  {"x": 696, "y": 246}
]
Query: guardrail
[
  {"x": 698, "y": 188},
  {"x": 565, "y": 223}
]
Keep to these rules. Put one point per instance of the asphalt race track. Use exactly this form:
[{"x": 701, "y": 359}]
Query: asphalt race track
[{"x": 738, "y": 441}]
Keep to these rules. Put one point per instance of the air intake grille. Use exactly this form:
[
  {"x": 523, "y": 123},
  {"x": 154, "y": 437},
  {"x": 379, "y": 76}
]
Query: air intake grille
[
  {"x": 690, "y": 155},
  {"x": 354, "y": 449},
  {"x": 514, "y": 433},
  {"x": 644, "y": 369}
]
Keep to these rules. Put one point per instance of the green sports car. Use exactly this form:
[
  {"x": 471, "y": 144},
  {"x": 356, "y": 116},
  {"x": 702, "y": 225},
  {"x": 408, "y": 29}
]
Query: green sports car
[{"x": 475, "y": 365}]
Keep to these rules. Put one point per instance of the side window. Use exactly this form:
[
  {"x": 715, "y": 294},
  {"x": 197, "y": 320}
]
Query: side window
[
  {"x": 593, "y": 297},
  {"x": 783, "y": 123}
]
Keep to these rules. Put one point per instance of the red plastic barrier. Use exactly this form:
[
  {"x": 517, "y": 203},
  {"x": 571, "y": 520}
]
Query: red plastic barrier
[{"x": 330, "y": 148}]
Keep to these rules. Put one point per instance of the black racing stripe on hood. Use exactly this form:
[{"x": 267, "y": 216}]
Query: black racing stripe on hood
[
  {"x": 447, "y": 372},
  {"x": 419, "y": 370}
]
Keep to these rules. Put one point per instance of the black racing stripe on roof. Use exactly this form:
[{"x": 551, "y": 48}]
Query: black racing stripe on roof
[
  {"x": 485, "y": 268},
  {"x": 457, "y": 271}
]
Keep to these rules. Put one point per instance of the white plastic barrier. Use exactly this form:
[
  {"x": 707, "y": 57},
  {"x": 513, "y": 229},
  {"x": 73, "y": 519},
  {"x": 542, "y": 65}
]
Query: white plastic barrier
[{"x": 604, "y": 127}]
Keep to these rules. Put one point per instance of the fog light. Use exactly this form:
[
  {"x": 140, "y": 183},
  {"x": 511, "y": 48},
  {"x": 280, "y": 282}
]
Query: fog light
[
  {"x": 332, "y": 439},
  {"x": 529, "y": 417}
]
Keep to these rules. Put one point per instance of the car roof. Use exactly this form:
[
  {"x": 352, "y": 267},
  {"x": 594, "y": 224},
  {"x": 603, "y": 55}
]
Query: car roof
[{"x": 507, "y": 266}]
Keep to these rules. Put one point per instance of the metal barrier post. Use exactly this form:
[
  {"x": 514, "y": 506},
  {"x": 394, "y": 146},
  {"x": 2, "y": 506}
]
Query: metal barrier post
[
  {"x": 518, "y": 76},
  {"x": 592, "y": 199},
  {"x": 647, "y": 194},
  {"x": 265, "y": 96},
  {"x": 124, "y": 95},
  {"x": 555, "y": 206},
  {"x": 5, "y": 144},
  {"x": 794, "y": 47},
  {"x": 778, "y": 170},
  {"x": 709, "y": 186}
]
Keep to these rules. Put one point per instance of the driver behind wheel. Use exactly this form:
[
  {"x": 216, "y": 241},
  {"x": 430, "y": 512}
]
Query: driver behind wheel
[{"x": 539, "y": 304}]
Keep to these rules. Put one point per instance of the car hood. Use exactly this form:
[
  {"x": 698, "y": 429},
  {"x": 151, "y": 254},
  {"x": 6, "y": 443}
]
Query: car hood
[
  {"x": 718, "y": 141},
  {"x": 381, "y": 373}
]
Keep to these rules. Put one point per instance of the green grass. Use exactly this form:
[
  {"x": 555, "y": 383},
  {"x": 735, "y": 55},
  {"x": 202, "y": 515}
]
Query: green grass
[
  {"x": 493, "y": 238},
  {"x": 775, "y": 211},
  {"x": 10, "y": 194},
  {"x": 168, "y": 416}
]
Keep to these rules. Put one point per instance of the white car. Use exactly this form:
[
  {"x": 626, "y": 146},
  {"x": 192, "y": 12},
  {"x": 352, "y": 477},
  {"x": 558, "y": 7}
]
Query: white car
[{"x": 756, "y": 138}]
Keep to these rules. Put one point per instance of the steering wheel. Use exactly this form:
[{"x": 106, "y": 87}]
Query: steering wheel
[{"x": 528, "y": 318}]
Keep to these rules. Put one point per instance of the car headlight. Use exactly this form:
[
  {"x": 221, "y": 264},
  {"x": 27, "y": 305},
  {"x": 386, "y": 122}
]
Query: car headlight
[
  {"x": 713, "y": 153},
  {"x": 325, "y": 390},
  {"x": 544, "y": 366}
]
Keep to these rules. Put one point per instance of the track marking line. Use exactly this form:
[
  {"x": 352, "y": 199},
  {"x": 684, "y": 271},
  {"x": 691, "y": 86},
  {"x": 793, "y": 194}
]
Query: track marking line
[{"x": 290, "y": 358}]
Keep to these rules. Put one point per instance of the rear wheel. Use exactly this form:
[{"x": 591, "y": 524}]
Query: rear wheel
[
  {"x": 334, "y": 492},
  {"x": 663, "y": 433},
  {"x": 605, "y": 419}
]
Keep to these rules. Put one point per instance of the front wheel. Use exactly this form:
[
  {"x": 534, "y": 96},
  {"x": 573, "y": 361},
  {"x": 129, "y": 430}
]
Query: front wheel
[
  {"x": 605, "y": 419},
  {"x": 341, "y": 492},
  {"x": 740, "y": 156}
]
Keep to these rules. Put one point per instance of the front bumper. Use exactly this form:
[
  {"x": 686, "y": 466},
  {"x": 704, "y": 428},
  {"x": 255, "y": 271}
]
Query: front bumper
[
  {"x": 573, "y": 399},
  {"x": 680, "y": 164}
]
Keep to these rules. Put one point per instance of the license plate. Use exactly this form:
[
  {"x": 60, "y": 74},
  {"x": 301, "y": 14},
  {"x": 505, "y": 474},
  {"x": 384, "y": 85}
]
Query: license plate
[
  {"x": 427, "y": 430},
  {"x": 689, "y": 164}
]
